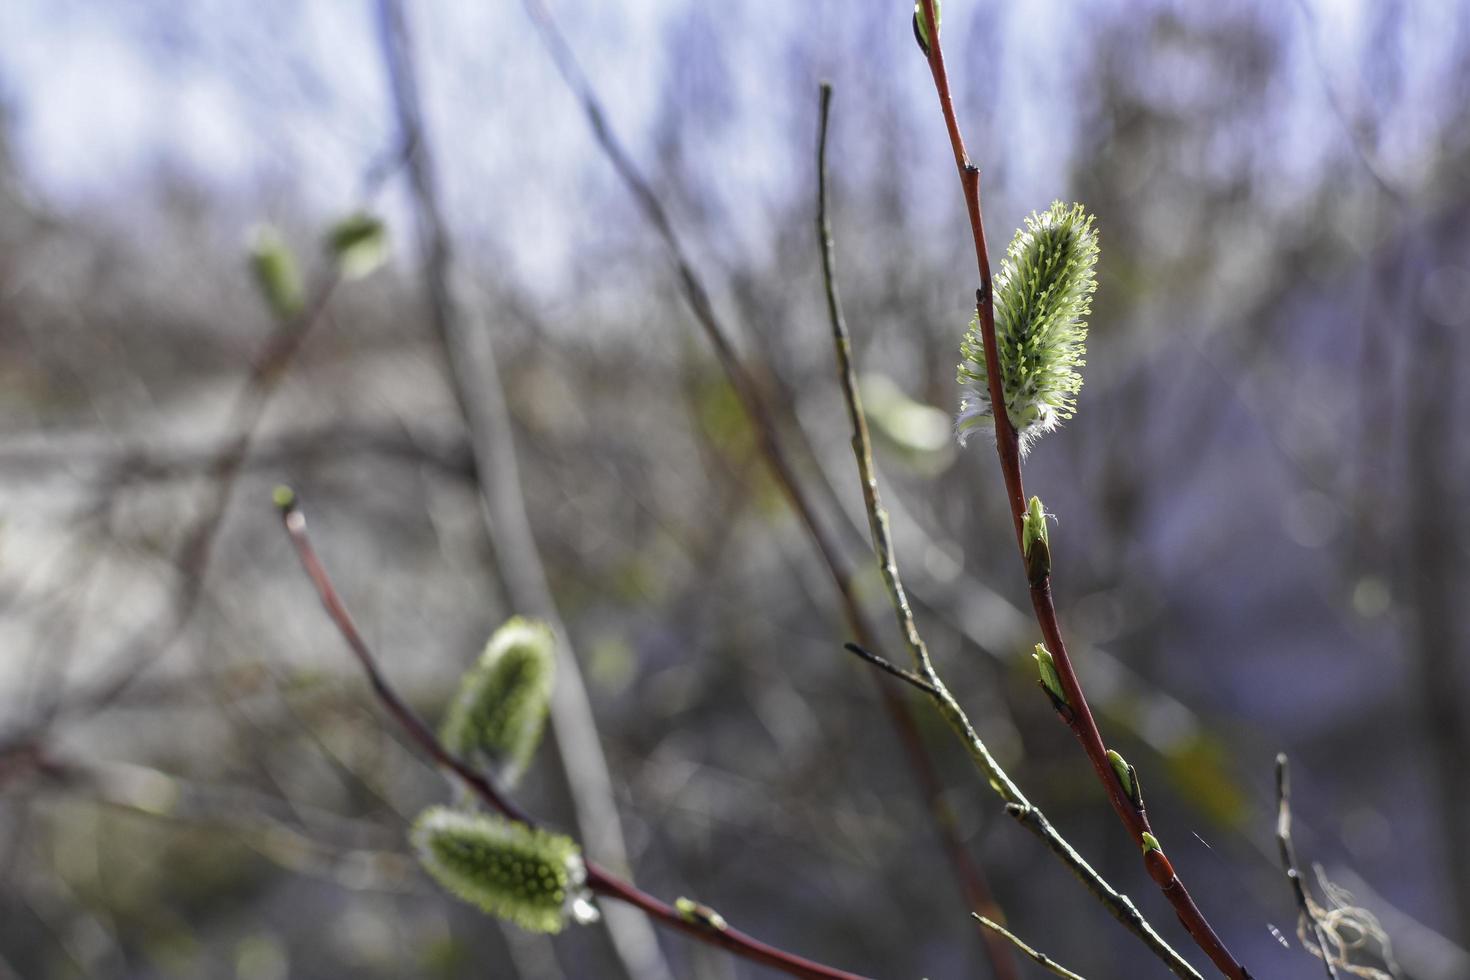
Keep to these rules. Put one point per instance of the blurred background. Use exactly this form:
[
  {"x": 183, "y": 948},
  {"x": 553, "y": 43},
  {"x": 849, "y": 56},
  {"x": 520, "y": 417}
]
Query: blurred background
[{"x": 1260, "y": 541}]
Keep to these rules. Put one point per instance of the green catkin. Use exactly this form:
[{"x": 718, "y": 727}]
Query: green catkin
[
  {"x": 497, "y": 718},
  {"x": 531, "y": 877},
  {"x": 1043, "y": 296}
]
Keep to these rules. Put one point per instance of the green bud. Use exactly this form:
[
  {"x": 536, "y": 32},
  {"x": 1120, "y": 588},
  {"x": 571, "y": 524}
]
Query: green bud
[
  {"x": 359, "y": 244},
  {"x": 276, "y": 276},
  {"x": 283, "y": 497},
  {"x": 497, "y": 718},
  {"x": 1127, "y": 778},
  {"x": 522, "y": 874},
  {"x": 1151, "y": 843},
  {"x": 692, "y": 912},
  {"x": 1036, "y": 542},
  {"x": 1050, "y": 680},
  {"x": 921, "y": 25},
  {"x": 1043, "y": 296}
]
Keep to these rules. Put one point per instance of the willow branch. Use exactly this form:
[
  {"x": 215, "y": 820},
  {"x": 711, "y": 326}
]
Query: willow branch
[
  {"x": 1017, "y": 804},
  {"x": 600, "y": 880},
  {"x": 1129, "y": 808}
]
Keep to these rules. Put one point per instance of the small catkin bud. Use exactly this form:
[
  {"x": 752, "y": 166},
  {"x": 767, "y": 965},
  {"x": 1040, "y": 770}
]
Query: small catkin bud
[
  {"x": 276, "y": 276},
  {"x": 358, "y": 244},
  {"x": 921, "y": 25},
  {"x": 693, "y": 912},
  {"x": 1151, "y": 843},
  {"x": 1043, "y": 296},
  {"x": 1050, "y": 680},
  {"x": 1036, "y": 542},
  {"x": 497, "y": 718},
  {"x": 283, "y": 497},
  {"x": 522, "y": 874},
  {"x": 1127, "y": 778}
]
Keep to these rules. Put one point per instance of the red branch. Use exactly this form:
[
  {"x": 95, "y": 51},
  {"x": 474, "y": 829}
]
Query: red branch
[{"x": 1079, "y": 718}]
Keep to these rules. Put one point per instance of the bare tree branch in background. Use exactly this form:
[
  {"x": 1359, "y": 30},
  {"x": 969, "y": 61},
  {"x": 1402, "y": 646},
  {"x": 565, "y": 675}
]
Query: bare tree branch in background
[
  {"x": 465, "y": 341},
  {"x": 753, "y": 401},
  {"x": 192, "y": 557}
]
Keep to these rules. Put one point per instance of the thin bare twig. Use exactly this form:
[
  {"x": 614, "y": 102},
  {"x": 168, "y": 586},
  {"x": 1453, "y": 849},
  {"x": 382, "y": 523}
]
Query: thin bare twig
[
  {"x": 907, "y": 676},
  {"x": 1016, "y": 803},
  {"x": 1040, "y": 958},
  {"x": 1129, "y": 807},
  {"x": 600, "y": 880},
  {"x": 192, "y": 558},
  {"x": 1289, "y": 862}
]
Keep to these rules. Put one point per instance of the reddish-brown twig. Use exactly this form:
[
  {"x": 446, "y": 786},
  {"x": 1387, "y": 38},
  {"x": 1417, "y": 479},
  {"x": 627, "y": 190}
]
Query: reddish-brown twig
[
  {"x": 1129, "y": 807},
  {"x": 599, "y": 879}
]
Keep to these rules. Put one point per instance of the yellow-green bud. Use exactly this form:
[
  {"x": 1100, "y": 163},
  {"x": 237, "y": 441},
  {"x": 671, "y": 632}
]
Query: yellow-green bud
[
  {"x": 497, "y": 718},
  {"x": 276, "y": 276},
  {"x": 1036, "y": 542},
  {"x": 358, "y": 244},
  {"x": 693, "y": 912},
  {"x": 522, "y": 874},
  {"x": 921, "y": 25},
  {"x": 1150, "y": 843},
  {"x": 1051, "y": 681},
  {"x": 283, "y": 497},
  {"x": 1127, "y": 778}
]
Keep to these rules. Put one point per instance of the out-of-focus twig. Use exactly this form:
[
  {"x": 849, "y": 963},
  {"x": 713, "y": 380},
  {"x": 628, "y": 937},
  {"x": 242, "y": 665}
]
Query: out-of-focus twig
[
  {"x": 945, "y": 702},
  {"x": 600, "y": 880},
  {"x": 191, "y": 559},
  {"x": 1289, "y": 862},
  {"x": 474, "y": 376}
]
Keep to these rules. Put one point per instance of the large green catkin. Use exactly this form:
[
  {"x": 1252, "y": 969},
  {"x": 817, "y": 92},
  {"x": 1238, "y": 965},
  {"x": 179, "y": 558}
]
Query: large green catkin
[
  {"x": 1043, "y": 296},
  {"x": 499, "y": 713},
  {"x": 525, "y": 875}
]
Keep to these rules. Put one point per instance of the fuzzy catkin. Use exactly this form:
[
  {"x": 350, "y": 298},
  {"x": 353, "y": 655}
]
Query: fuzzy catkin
[
  {"x": 1043, "y": 296},
  {"x": 522, "y": 874},
  {"x": 497, "y": 718}
]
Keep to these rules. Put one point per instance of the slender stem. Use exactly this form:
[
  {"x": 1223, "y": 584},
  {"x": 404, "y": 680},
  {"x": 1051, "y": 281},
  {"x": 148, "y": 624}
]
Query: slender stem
[
  {"x": 907, "y": 676},
  {"x": 756, "y": 405},
  {"x": 1016, "y": 803},
  {"x": 1042, "y": 960},
  {"x": 1289, "y": 862},
  {"x": 599, "y": 879},
  {"x": 1080, "y": 718}
]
